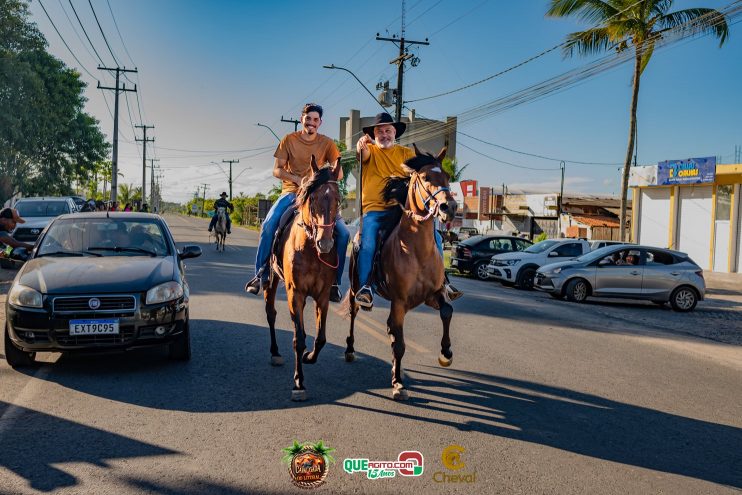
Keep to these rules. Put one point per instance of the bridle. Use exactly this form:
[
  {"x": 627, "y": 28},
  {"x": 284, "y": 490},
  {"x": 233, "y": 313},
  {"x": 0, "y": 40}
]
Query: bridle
[
  {"x": 313, "y": 228},
  {"x": 431, "y": 197}
]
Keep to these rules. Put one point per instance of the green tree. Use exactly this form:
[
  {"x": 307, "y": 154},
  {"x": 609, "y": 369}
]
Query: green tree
[
  {"x": 631, "y": 25},
  {"x": 451, "y": 167},
  {"x": 348, "y": 162},
  {"x": 128, "y": 194}
]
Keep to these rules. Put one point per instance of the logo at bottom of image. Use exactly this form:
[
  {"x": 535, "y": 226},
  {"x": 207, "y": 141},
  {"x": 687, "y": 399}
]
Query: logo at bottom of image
[
  {"x": 408, "y": 463},
  {"x": 308, "y": 463},
  {"x": 451, "y": 460}
]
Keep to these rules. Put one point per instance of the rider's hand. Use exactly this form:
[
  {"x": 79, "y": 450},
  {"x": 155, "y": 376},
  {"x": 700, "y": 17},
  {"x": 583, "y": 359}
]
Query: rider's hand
[{"x": 362, "y": 144}]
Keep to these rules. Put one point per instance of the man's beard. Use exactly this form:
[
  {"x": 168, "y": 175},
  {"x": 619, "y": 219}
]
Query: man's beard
[{"x": 384, "y": 144}]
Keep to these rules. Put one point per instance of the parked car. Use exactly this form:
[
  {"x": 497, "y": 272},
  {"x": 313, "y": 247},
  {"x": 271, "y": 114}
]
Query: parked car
[
  {"x": 520, "y": 268},
  {"x": 458, "y": 234},
  {"x": 473, "y": 254},
  {"x": 79, "y": 202},
  {"x": 100, "y": 282},
  {"x": 597, "y": 244},
  {"x": 634, "y": 272},
  {"x": 38, "y": 213}
]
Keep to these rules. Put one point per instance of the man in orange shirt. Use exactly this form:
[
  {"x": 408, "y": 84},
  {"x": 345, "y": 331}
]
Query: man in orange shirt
[
  {"x": 382, "y": 158},
  {"x": 293, "y": 163}
]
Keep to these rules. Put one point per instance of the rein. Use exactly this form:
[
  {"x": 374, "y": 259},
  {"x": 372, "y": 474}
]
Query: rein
[{"x": 426, "y": 201}]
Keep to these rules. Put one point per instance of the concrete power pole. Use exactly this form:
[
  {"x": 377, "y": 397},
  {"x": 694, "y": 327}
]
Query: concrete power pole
[
  {"x": 400, "y": 60},
  {"x": 230, "y": 174},
  {"x": 144, "y": 140},
  {"x": 151, "y": 182},
  {"x": 117, "y": 89},
  {"x": 203, "y": 202},
  {"x": 290, "y": 121}
]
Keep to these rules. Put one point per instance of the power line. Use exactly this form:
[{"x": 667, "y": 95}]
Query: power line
[
  {"x": 86, "y": 34},
  {"x": 65, "y": 42},
  {"x": 507, "y": 163},
  {"x": 119, "y": 32},
  {"x": 102, "y": 33}
]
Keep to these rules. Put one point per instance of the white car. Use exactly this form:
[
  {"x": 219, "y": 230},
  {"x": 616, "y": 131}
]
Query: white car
[{"x": 520, "y": 268}]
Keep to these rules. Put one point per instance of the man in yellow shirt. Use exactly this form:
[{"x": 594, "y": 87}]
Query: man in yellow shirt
[{"x": 382, "y": 158}]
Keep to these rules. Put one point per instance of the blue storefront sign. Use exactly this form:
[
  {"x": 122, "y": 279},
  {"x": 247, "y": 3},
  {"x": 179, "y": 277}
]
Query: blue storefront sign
[{"x": 690, "y": 171}]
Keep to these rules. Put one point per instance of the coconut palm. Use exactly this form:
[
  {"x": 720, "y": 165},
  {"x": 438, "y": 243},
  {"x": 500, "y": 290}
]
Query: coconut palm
[
  {"x": 324, "y": 451},
  {"x": 451, "y": 167},
  {"x": 631, "y": 25}
]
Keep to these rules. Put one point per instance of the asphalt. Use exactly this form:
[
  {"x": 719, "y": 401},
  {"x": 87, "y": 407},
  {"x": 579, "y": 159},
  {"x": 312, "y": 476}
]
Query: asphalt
[{"x": 544, "y": 396}]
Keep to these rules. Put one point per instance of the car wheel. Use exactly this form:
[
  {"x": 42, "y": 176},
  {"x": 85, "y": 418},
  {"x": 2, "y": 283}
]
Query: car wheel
[
  {"x": 480, "y": 270},
  {"x": 525, "y": 279},
  {"x": 683, "y": 299},
  {"x": 15, "y": 357},
  {"x": 180, "y": 348},
  {"x": 577, "y": 290}
]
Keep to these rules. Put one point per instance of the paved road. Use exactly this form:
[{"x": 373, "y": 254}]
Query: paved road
[{"x": 544, "y": 396}]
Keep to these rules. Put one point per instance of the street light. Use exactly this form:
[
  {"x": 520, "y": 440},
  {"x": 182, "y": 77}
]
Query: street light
[
  {"x": 333, "y": 66},
  {"x": 263, "y": 125}
]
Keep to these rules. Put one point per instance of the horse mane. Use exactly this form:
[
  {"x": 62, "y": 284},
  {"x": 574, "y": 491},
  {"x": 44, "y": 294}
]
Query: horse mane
[
  {"x": 322, "y": 176},
  {"x": 418, "y": 162},
  {"x": 396, "y": 189}
]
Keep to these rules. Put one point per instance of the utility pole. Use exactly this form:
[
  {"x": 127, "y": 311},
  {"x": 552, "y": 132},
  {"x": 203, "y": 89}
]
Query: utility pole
[
  {"x": 562, "y": 166},
  {"x": 290, "y": 121},
  {"x": 203, "y": 202},
  {"x": 151, "y": 182},
  {"x": 116, "y": 90},
  {"x": 144, "y": 156},
  {"x": 737, "y": 154},
  {"x": 400, "y": 60},
  {"x": 230, "y": 173}
]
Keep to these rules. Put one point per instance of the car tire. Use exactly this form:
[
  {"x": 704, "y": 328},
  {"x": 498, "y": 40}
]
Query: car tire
[
  {"x": 15, "y": 357},
  {"x": 180, "y": 348},
  {"x": 577, "y": 290},
  {"x": 480, "y": 270},
  {"x": 683, "y": 299},
  {"x": 525, "y": 278}
]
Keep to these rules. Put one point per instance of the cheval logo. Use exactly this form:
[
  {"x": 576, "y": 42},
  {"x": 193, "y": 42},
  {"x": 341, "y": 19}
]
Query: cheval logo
[
  {"x": 451, "y": 459},
  {"x": 408, "y": 463},
  {"x": 308, "y": 463},
  {"x": 94, "y": 303}
]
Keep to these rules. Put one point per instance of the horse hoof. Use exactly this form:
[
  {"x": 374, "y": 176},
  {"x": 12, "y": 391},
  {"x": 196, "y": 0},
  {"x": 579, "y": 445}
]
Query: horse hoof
[
  {"x": 305, "y": 358},
  {"x": 298, "y": 395},
  {"x": 276, "y": 361},
  {"x": 444, "y": 361},
  {"x": 400, "y": 394},
  {"x": 350, "y": 357}
]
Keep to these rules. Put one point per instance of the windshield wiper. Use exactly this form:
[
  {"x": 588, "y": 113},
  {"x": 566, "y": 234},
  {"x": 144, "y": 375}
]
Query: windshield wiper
[
  {"x": 119, "y": 249},
  {"x": 64, "y": 253}
]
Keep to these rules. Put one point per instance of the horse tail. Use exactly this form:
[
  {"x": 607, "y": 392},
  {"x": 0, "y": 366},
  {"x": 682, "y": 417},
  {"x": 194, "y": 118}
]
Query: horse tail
[{"x": 346, "y": 307}]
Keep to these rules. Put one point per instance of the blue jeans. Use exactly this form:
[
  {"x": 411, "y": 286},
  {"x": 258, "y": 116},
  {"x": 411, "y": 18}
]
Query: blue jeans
[
  {"x": 212, "y": 224},
  {"x": 270, "y": 226},
  {"x": 371, "y": 223}
]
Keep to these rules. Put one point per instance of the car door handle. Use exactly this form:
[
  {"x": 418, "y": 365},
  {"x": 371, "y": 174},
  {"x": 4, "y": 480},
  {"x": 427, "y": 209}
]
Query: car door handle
[
  {"x": 634, "y": 272},
  {"x": 674, "y": 274}
]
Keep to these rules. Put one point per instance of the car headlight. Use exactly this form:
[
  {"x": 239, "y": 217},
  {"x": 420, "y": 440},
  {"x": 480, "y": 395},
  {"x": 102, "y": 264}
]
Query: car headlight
[
  {"x": 511, "y": 262},
  {"x": 20, "y": 295},
  {"x": 164, "y": 292}
]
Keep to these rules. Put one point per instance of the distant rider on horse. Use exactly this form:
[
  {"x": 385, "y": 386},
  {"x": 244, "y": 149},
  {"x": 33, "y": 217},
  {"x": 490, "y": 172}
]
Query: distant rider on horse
[
  {"x": 222, "y": 203},
  {"x": 382, "y": 158},
  {"x": 293, "y": 158}
]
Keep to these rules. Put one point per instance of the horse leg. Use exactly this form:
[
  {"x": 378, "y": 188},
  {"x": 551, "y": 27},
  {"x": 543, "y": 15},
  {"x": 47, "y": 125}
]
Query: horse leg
[
  {"x": 394, "y": 327},
  {"x": 296, "y": 306},
  {"x": 350, "y": 352},
  {"x": 269, "y": 294},
  {"x": 319, "y": 341},
  {"x": 446, "y": 312}
]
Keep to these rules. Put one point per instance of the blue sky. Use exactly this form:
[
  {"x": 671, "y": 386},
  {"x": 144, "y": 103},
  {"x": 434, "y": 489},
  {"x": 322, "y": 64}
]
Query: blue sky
[{"x": 209, "y": 71}]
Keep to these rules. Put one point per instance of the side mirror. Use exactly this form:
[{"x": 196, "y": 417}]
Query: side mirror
[
  {"x": 19, "y": 254},
  {"x": 553, "y": 254},
  {"x": 190, "y": 252}
]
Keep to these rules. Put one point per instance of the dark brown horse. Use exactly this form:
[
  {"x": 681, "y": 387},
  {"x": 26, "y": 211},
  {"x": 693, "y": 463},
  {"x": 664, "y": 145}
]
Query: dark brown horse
[
  {"x": 307, "y": 261},
  {"x": 411, "y": 268}
]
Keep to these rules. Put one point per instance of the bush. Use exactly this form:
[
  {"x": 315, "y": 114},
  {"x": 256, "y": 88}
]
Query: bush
[{"x": 541, "y": 237}]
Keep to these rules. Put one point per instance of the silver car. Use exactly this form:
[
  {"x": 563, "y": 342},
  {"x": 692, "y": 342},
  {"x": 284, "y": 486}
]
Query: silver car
[{"x": 626, "y": 271}]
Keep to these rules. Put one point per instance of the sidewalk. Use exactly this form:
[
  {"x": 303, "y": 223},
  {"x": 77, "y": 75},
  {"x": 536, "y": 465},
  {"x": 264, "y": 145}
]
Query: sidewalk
[{"x": 723, "y": 283}]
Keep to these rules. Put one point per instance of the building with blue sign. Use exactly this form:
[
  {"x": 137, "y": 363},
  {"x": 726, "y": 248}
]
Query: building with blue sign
[{"x": 692, "y": 205}]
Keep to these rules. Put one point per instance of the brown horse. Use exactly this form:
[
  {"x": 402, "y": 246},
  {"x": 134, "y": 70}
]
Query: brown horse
[
  {"x": 307, "y": 260},
  {"x": 411, "y": 268}
]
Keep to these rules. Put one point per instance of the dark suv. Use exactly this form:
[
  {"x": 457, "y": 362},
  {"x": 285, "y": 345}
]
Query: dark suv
[{"x": 473, "y": 254}]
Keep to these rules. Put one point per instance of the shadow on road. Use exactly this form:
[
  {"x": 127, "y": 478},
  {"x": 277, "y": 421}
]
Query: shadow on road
[
  {"x": 37, "y": 442},
  {"x": 575, "y": 422}
]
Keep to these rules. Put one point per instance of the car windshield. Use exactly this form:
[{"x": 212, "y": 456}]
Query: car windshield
[
  {"x": 28, "y": 209},
  {"x": 104, "y": 237},
  {"x": 540, "y": 247},
  {"x": 597, "y": 254}
]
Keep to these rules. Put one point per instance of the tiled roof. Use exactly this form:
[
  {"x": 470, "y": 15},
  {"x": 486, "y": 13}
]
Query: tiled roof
[{"x": 596, "y": 220}]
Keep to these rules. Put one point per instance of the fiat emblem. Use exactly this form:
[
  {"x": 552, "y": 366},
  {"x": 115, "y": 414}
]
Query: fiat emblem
[{"x": 94, "y": 303}]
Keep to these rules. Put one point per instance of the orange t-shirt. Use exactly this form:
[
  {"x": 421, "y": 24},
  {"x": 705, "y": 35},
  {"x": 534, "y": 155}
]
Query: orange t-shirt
[
  {"x": 381, "y": 164},
  {"x": 297, "y": 151}
]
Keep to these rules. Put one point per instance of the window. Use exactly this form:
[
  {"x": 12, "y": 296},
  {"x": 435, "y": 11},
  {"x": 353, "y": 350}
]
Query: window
[
  {"x": 501, "y": 245},
  {"x": 723, "y": 202},
  {"x": 521, "y": 245},
  {"x": 659, "y": 258},
  {"x": 569, "y": 250}
]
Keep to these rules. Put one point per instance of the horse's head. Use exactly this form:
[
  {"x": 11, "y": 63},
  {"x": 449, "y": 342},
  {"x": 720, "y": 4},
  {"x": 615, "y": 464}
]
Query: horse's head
[
  {"x": 429, "y": 191},
  {"x": 319, "y": 201}
]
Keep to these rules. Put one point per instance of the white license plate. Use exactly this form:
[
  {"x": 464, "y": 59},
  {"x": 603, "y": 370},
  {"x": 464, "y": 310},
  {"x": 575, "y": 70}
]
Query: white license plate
[
  {"x": 454, "y": 262},
  {"x": 94, "y": 327}
]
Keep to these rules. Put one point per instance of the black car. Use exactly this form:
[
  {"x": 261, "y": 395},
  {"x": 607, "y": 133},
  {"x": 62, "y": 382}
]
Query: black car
[
  {"x": 473, "y": 254},
  {"x": 99, "y": 282}
]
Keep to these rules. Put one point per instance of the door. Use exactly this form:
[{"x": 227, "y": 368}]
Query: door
[
  {"x": 694, "y": 231},
  {"x": 620, "y": 273},
  {"x": 661, "y": 275},
  {"x": 654, "y": 216}
]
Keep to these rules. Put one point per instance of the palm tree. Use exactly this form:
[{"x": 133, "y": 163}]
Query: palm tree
[
  {"x": 631, "y": 25},
  {"x": 451, "y": 167}
]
